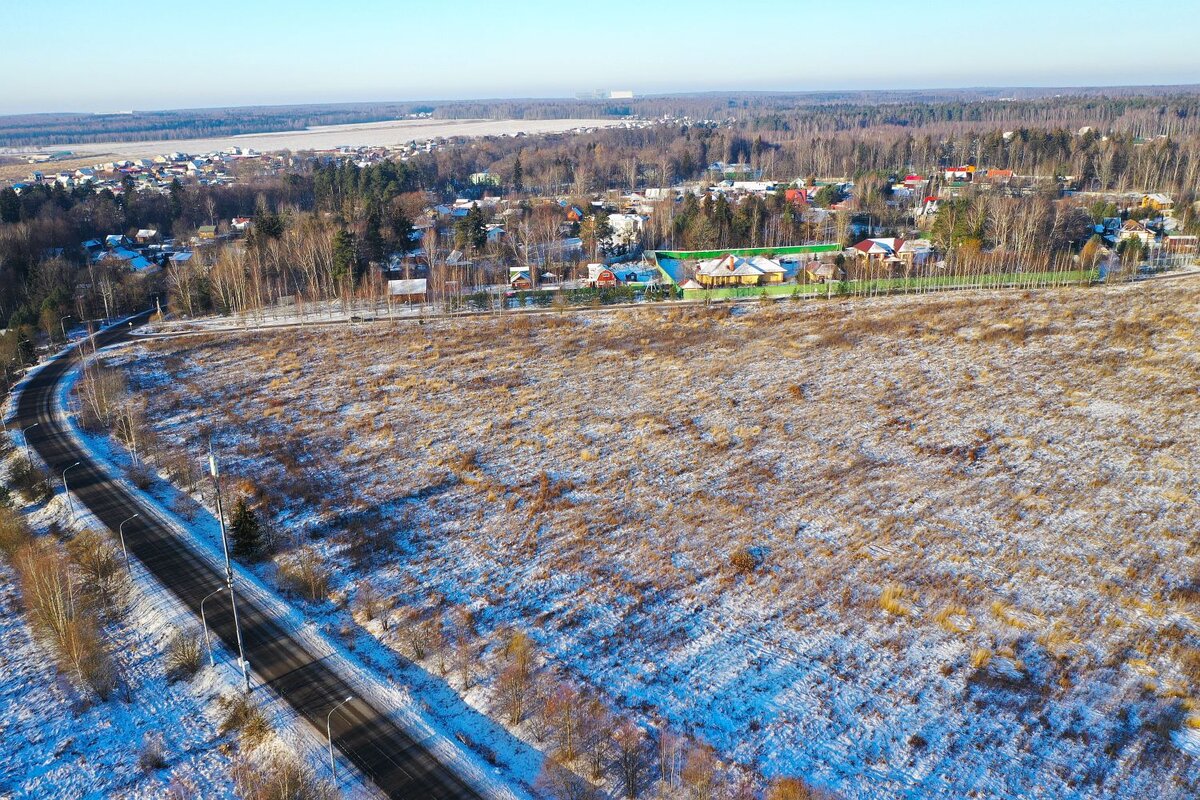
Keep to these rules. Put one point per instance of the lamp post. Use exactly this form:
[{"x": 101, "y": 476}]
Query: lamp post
[
  {"x": 25, "y": 439},
  {"x": 329, "y": 736},
  {"x": 62, "y": 322},
  {"x": 67, "y": 490},
  {"x": 204, "y": 622},
  {"x": 215, "y": 471},
  {"x": 121, "y": 533}
]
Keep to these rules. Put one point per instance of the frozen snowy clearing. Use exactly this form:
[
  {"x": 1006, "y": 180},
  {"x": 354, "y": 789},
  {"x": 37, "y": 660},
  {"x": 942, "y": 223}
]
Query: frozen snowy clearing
[
  {"x": 325, "y": 137},
  {"x": 64, "y": 742},
  {"x": 921, "y": 546}
]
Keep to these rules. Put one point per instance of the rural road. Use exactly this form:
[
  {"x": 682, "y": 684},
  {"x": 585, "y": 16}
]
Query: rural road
[{"x": 397, "y": 763}]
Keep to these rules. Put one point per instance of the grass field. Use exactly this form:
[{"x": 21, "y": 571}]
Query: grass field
[{"x": 935, "y": 545}]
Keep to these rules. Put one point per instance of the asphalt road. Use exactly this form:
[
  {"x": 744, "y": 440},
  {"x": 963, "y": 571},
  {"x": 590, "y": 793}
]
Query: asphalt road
[{"x": 397, "y": 763}]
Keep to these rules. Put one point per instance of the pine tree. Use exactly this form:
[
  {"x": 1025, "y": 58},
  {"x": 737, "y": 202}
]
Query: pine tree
[
  {"x": 345, "y": 255},
  {"x": 245, "y": 530}
]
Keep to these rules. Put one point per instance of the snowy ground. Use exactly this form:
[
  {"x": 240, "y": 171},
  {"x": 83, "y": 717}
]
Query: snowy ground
[
  {"x": 476, "y": 748},
  {"x": 59, "y": 743},
  {"x": 362, "y": 134},
  {"x": 969, "y": 520},
  {"x": 62, "y": 742}
]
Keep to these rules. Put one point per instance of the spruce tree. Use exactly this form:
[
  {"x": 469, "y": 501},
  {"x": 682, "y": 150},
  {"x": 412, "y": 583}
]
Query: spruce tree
[{"x": 245, "y": 530}]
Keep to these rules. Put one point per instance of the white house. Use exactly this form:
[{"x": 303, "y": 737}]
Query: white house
[{"x": 1132, "y": 229}]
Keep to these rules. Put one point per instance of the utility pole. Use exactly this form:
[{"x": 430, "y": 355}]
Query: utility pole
[{"x": 237, "y": 629}]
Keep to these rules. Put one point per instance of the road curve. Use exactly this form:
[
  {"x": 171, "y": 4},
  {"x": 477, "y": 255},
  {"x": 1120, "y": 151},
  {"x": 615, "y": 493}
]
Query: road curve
[{"x": 397, "y": 763}]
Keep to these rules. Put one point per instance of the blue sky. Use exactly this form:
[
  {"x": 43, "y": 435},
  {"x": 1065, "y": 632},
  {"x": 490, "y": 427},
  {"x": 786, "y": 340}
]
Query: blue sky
[{"x": 109, "y": 55}]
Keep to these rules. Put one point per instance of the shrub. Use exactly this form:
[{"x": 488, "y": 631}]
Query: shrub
[
  {"x": 153, "y": 754},
  {"x": 140, "y": 477},
  {"x": 743, "y": 560},
  {"x": 243, "y": 718},
  {"x": 980, "y": 657},
  {"x": 792, "y": 789},
  {"x": 13, "y": 532},
  {"x": 279, "y": 776},
  {"x": 32, "y": 483},
  {"x": 302, "y": 573},
  {"x": 183, "y": 656},
  {"x": 892, "y": 600}
]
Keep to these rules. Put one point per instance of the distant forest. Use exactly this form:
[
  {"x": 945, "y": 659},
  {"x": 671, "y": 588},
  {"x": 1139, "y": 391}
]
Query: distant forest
[{"x": 1137, "y": 111}]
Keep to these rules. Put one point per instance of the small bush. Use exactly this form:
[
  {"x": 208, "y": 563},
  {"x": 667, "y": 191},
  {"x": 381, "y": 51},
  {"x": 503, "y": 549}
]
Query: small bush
[
  {"x": 893, "y": 601},
  {"x": 303, "y": 573},
  {"x": 743, "y": 560},
  {"x": 793, "y": 789},
  {"x": 153, "y": 754},
  {"x": 183, "y": 656},
  {"x": 32, "y": 483},
  {"x": 243, "y": 718},
  {"x": 980, "y": 657},
  {"x": 13, "y": 532},
  {"x": 140, "y": 477},
  {"x": 279, "y": 776}
]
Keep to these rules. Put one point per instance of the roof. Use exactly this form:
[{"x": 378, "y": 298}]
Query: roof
[
  {"x": 879, "y": 246},
  {"x": 147, "y": 233},
  {"x": 407, "y": 286},
  {"x": 736, "y": 266},
  {"x": 690, "y": 284}
]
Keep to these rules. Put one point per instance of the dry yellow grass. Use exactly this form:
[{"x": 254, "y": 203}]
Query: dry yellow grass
[{"x": 1006, "y": 472}]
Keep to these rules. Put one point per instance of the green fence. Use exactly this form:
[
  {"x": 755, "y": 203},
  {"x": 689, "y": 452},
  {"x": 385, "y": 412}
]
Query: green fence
[
  {"x": 746, "y": 252},
  {"x": 897, "y": 285}
]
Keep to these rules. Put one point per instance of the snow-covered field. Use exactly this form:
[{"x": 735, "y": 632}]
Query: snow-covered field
[
  {"x": 910, "y": 547},
  {"x": 59, "y": 742},
  {"x": 370, "y": 134}
]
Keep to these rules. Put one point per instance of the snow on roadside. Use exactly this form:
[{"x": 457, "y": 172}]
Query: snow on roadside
[{"x": 503, "y": 780}]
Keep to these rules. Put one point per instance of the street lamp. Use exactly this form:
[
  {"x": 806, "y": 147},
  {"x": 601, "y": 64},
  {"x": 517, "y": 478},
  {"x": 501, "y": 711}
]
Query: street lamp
[
  {"x": 67, "y": 490},
  {"x": 215, "y": 471},
  {"x": 25, "y": 438},
  {"x": 62, "y": 322},
  {"x": 121, "y": 533},
  {"x": 204, "y": 622},
  {"x": 329, "y": 736}
]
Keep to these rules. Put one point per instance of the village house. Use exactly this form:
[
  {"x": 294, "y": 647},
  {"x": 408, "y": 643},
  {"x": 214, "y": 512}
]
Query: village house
[
  {"x": 1157, "y": 202},
  {"x": 877, "y": 251},
  {"x": 734, "y": 270},
  {"x": 603, "y": 276},
  {"x": 1133, "y": 229},
  {"x": 1181, "y": 245},
  {"x": 822, "y": 272},
  {"x": 889, "y": 256}
]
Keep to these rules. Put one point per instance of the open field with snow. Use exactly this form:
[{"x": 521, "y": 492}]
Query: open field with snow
[
  {"x": 324, "y": 137},
  {"x": 912, "y": 547}
]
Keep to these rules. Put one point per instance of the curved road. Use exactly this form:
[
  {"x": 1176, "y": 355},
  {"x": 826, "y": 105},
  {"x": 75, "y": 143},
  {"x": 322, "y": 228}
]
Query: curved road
[{"x": 397, "y": 763}]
